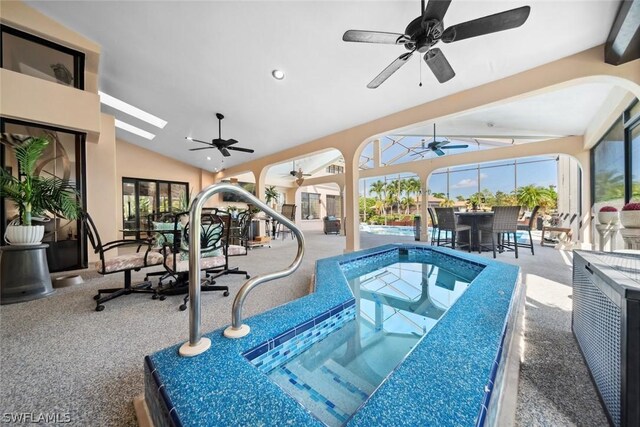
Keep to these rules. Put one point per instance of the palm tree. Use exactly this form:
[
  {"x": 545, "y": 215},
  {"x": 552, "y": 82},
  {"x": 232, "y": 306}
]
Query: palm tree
[
  {"x": 413, "y": 187},
  {"x": 380, "y": 190},
  {"x": 531, "y": 196},
  {"x": 447, "y": 203},
  {"x": 35, "y": 195}
]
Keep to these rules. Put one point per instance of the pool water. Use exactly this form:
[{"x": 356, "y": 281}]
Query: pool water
[{"x": 396, "y": 305}]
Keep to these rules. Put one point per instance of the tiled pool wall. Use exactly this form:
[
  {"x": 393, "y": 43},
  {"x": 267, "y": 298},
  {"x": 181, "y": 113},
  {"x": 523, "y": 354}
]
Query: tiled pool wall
[
  {"x": 234, "y": 392},
  {"x": 273, "y": 353},
  {"x": 464, "y": 268}
]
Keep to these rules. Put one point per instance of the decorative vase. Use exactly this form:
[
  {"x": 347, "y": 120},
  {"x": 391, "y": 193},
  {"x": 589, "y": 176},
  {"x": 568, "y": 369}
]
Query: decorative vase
[
  {"x": 22, "y": 235},
  {"x": 630, "y": 218},
  {"x": 608, "y": 218}
]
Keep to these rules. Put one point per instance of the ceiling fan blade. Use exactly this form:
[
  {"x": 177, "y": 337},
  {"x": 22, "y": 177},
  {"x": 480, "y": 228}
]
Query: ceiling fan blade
[
  {"x": 387, "y": 72},
  {"x": 197, "y": 140},
  {"x": 202, "y": 148},
  {"x": 486, "y": 25},
  {"x": 230, "y": 142},
  {"x": 244, "y": 150},
  {"x": 361, "y": 36},
  {"x": 439, "y": 152},
  {"x": 454, "y": 146},
  {"x": 439, "y": 65},
  {"x": 436, "y": 9},
  {"x": 224, "y": 151}
]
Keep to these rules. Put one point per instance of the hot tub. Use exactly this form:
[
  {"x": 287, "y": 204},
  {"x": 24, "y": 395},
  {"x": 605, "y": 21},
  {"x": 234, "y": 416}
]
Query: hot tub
[{"x": 458, "y": 329}]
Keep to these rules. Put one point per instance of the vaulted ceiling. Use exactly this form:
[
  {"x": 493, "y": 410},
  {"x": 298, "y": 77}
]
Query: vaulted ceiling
[{"x": 185, "y": 61}]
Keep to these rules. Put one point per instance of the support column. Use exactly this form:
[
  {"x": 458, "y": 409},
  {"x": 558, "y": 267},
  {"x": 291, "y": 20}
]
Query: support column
[
  {"x": 344, "y": 210},
  {"x": 585, "y": 232},
  {"x": 351, "y": 175},
  {"x": 260, "y": 176},
  {"x": 376, "y": 153},
  {"x": 424, "y": 204}
]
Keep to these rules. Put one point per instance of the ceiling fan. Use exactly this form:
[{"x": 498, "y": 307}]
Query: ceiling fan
[
  {"x": 223, "y": 145},
  {"x": 436, "y": 146},
  {"x": 297, "y": 173},
  {"x": 428, "y": 29}
]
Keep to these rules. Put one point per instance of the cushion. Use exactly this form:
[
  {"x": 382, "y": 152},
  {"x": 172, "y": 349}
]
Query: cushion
[
  {"x": 129, "y": 262},
  {"x": 162, "y": 238},
  {"x": 205, "y": 263},
  {"x": 233, "y": 250}
]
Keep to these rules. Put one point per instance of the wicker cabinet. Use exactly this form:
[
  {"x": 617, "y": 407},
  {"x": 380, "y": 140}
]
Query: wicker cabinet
[{"x": 606, "y": 324}]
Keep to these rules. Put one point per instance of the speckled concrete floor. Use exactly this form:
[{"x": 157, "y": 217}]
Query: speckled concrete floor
[{"x": 58, "y": 356}]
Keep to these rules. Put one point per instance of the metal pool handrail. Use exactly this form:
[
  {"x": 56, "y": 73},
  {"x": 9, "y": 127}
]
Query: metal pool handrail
[{"x": 198, "y": 344}]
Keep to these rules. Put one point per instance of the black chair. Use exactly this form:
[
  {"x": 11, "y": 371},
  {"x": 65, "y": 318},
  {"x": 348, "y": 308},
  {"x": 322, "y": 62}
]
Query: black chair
[
  {"x": 176, "y": 255},
  {"x": 235, "y": 241},
  {"x": 331, "y": 225},
  {"x": 289, "y": 212},
  {"x": 448, "y": 222},
  {"x": 121, "y": 263},
  {"x": 161, "y": 227},
  {"x": 504, "y": 221},
  {"x": 434, "y": 227},
  {"x": 528, "y": 227}
]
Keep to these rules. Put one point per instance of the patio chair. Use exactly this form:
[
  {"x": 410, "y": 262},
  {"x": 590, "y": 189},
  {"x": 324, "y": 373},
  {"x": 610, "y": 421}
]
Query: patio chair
[
  {"x": 527, "y": 227},
  {"x": 434, "y": 226},
  {"x": 565, "y": 227},
  {"x": 289, "y": 212},
  {"x": 447, "y": 221},
  {"x": 235, "y": 242},
  {"x": 504, "y": 221},
  {"x": 176, "y": 255},
  {"x": 160, "y": 226},
  {"x": 142, "y": 258},
  {"x": 331, "y": 225}
]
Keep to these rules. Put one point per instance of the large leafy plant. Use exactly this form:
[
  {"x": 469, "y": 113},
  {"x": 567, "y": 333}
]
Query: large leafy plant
[{"x": 35, "y": 195}]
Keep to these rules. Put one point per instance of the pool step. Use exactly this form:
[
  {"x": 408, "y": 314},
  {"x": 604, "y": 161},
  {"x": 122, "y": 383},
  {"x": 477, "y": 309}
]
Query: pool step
[{"x": 332, "y": 391}]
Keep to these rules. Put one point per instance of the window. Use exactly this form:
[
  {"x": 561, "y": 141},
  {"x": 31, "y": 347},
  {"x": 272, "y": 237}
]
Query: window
[
  {"x": 608, "y": 167},
  {"x": 635, "y": 163},
  {"x": 141, "y": 197},
  {"x": 27, "y": 54},
  {"x": 310, "y": 203},
  {"x": 335, "y": 169},
  {"x": 334, "y": 206}
]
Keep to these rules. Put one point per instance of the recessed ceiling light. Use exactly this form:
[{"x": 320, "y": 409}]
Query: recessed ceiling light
[
  {"x": 278, "y": 74},
  {"x": 208, "y": 158},
  {"x": 189, "y": 138},
  {"x": 131, "y": 110},
  {"x": 135, "y": 130}
]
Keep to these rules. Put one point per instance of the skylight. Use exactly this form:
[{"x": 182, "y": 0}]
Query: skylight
[
  {"x": 131, "y": 110},
  {"x": 135, "y": 130}
]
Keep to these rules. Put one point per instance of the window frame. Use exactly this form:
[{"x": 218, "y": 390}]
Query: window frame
[
  {"x": 305, "y": 216},
  {"x": 78, "y": 57}
]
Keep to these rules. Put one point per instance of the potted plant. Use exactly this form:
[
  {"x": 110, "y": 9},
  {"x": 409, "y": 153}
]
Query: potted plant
[
  {"x": 35, "y": 195},
  {"x": 271, "y": 195},
  {"x": 630, "y": 215},
  {"x": 608, "y": 215}
]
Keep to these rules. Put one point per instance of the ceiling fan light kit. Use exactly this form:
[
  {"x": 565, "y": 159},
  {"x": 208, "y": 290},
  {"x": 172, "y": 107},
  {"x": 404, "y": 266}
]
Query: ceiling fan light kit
[
  {"x": 223, "y": 145},
  {"x": 428, "y": 29}
]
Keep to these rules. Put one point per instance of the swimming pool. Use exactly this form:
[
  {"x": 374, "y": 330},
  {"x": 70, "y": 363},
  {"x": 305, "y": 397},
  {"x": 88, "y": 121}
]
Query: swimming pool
[
  {"x": 454, "y": 375},
  {"x": 407, "y": 230}
]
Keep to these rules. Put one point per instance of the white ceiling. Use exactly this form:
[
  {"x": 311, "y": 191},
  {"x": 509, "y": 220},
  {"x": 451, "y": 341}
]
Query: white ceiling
[
  {"x": 185, "y": 61},
  {"x": 564, "y": 112}
]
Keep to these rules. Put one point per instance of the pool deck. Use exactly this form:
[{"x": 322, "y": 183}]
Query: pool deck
[{"x": 445, "y": 380}]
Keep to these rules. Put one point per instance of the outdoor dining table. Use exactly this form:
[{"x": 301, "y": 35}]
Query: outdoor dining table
[{"x": 474, "y": 219}]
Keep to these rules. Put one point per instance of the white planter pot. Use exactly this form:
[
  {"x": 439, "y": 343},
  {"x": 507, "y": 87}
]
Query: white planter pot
[
  {"x": 608, "y": 218},
  {"x": 21, "y": 235},
  {"x": 630, "y": 219}
]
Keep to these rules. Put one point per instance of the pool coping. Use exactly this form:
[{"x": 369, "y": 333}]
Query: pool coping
[{"x": 331, "y": 290}]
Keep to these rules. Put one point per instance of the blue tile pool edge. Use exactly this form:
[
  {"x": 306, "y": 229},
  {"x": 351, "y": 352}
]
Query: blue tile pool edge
[{"x": 320, "y": 264}]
